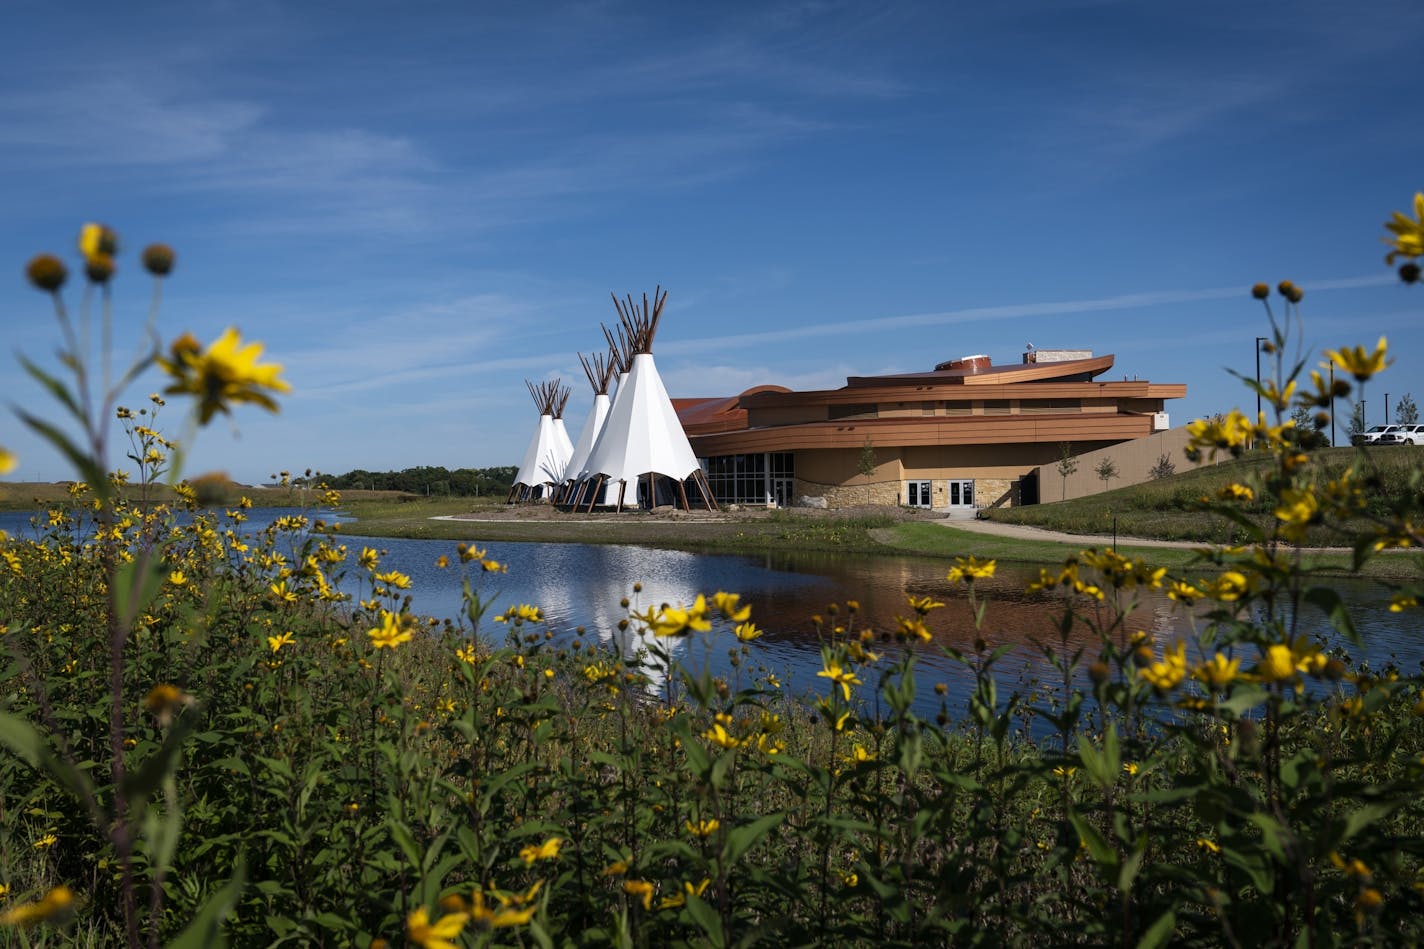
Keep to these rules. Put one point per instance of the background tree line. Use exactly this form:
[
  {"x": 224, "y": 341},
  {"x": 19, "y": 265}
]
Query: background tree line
[{"x": 426, "y": 479}]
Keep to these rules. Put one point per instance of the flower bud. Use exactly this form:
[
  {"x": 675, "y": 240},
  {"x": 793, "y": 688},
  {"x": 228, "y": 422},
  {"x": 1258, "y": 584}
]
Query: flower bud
[
  {"x": 46, "y": 272},
  {"x": 1409, "y": 272},
  {"x": 99, "y": 267},
  {"x": 158, "y": 259},
  {"x": 1099, "y": 672},
  {"x": 1260, "y": 291}
]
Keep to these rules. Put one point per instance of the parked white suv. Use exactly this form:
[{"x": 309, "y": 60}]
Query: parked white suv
[
  {"x": 1411, "y": 434},
  {"x": 1380, "y": 435}
]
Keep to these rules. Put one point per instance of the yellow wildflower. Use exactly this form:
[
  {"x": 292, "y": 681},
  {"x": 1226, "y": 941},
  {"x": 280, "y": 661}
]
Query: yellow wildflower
[
  {"x": 277, "y": 642},
  {"x": 1228, "y": 432},
  {"x": 1408, "y": 239},
  {"x": 923, "y": 604},
  {"x": 1236, "y": 492},
  {"x": 514, "y": 910},
  {"x": 719, "y": 735},
  {"x": 438, "y": 935},
  {"x": 45, "y": 842},
  {"x": 391, "y": 633},
  {"x": 680, "y": 899},
  {"x": 1297, "y": 510},
  {"x": 679, "y": 620},
  {"x": 522, "y": 613},
  {"x": 53, "y": 906},
  {"x": 1217, "y": 672},
  {"x": 394, "y": 578},
  {"x": 641, "y": 889},
  {"x": 1276, "y": 664},
  {"x": 1403, "y": 601},
  {"x": 1168, "y": 673},
  {"x": 914, "y": 628},
  {"x": 845, "y": 678},
  {"x": 969, "y": 569},
  {"x": 1232, "y": 585},
  {"x": 165, "y": 700},
  {"x": 727, "y": 603},
  {"x": 747, "y": 631},
  {"x": 548, "y": 850},
  {"x": 703, "y": 828},
  {"x": 368, "y": 559},
  {"x": 466, "y": 653},
  {"x": 1210, "y": 846},
  {"x": 228, "y": 372},
  {"x": 1357, "y": 362}
]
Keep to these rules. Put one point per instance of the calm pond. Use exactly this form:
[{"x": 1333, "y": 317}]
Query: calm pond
[{"x": 581, "y": 585}]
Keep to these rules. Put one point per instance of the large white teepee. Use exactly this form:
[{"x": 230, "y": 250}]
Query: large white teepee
[
  {"x": 642, "y": 437},
  {"x": 547, "y": 456}
]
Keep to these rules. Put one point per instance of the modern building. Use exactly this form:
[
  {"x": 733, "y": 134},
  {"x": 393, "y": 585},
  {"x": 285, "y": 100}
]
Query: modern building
[{"x": 965, "y": 435}]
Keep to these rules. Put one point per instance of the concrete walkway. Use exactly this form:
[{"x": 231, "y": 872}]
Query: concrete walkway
[{"x": 1024, "y": 532}]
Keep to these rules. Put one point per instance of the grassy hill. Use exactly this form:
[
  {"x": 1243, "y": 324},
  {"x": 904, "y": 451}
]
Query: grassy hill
[{"x": 1170, "y": 508}]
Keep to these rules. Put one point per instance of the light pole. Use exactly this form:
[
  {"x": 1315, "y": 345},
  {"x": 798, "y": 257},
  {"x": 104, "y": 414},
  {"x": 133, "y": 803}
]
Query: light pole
[
  {"x": 1332, "y": 405},
  {"x": 1386, "y": 408}
]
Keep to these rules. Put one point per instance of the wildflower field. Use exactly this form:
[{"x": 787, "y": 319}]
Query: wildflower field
[{"x": 204, "y": 742}]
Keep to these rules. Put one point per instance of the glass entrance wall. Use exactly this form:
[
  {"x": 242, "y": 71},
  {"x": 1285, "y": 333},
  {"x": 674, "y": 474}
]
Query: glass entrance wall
[{"x": 762, "y": 478}]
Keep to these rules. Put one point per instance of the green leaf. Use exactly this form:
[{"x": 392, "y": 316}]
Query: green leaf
[
  {"x": 1130, "y": 867},
  {"x": 1333, "y": 606},
  {"x": 57, "y": 389},
  {"x": 25, "y": 740},
  {"x": 706, "y": 918},
  {"x": 1367, "y": 815},
  {"x": 136, "y": 583},
  {"x": 1159, "y": 932},
  {"x": 405, "y": 841},
  {"x": 1098, "y": 848},
  {"x": 205, "y": 931},
  {"x": 86, "y": 468},
  {"x": 743, "y": 838}
]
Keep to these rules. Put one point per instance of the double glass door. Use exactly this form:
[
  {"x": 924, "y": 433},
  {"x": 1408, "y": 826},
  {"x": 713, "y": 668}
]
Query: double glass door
[
  {"x": 961, "y": 494},
  {"x": 917, "y": 494}
]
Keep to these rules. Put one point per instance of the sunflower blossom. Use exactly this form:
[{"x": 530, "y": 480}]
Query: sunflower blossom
[
  {"x": 1167, "y": 674},
  {"x": 1408, "y": 239},
  {"x": 391, "y": 633},
  {"x": 437, "y": 935},
  {"x": 845, "y": 678},
  {"x": 1357, "y": 362},
  {"x": 226, "y": 373}
]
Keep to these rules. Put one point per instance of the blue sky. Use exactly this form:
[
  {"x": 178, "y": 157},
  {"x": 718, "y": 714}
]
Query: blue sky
[{"x": 417, "y": 206}]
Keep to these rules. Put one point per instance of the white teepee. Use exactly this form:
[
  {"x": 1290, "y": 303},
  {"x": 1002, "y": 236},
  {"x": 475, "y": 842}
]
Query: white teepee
[
  {"x": 599, "y": 369},
  {"x": 547, "y": 456},
  {"x": 642, "y": 437}
]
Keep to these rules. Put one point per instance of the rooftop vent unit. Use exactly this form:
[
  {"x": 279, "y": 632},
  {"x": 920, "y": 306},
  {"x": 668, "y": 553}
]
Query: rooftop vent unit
[
  {"x": 966, "y": 363},
  {"x": 1056, "y": 355}
]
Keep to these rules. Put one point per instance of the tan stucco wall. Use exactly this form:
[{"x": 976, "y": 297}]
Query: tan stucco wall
[
  {"x": 1134, "y": 459},
  {"x": 996, "y": 470}
]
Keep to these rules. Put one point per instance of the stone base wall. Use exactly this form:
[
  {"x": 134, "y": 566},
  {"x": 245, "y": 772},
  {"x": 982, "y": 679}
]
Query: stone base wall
[
  {"x": 996, "y": 492},
  {"x": 850, "y": 495}
]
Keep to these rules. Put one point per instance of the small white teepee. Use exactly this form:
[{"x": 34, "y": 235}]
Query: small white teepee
[
  {"x": 547, "y": 456},
  {"x": 599, "y": 369},
  {"x": 642, "y": 437}
]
